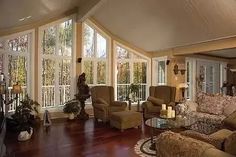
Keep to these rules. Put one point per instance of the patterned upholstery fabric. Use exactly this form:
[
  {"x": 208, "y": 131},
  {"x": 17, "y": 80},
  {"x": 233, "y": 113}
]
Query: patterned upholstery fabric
[
  {"x": 169, "y": 144},
  {"x": 217, "y": 142},
  {"x": 210, "y": 109},
  {"x": 211, "y": 104},
  {"x": 103, "y": 102},
  {"x": 165, "y": 93}
]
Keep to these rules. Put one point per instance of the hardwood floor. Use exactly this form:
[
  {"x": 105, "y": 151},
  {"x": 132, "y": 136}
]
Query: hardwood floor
[{"x": 78, "y": 139}]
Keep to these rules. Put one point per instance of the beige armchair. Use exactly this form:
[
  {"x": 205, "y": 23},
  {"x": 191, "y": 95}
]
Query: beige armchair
[
  {"x": 158, "y": 95},
  {"x": 103, "y": 102}
]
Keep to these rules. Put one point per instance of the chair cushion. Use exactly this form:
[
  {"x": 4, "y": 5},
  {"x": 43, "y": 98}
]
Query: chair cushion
[
  {"x": 230, "y": 144},
  {"x": 155, "y": 101}
]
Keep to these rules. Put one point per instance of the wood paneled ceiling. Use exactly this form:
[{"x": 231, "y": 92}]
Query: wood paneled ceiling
[{"x": 161, "y": 24}]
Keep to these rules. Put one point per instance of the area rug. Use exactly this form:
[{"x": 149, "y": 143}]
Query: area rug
[{"x": 142, "y": 148}]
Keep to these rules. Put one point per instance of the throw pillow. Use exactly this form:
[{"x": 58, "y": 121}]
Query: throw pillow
[
  {"x": 155, "y": 101},
  {"x": 230, "y": 121},
  {"x": 102, "y": 101},
  {"x": 230, "y": 144},
  {"x": 212, "y": 104}
]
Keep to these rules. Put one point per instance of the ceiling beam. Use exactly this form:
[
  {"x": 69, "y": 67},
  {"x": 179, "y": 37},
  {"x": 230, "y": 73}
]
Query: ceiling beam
[
  {"x": 87, "y": 8},
  {"x": 218, "y": 44}
]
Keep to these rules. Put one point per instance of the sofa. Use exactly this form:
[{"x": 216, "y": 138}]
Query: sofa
[
  {"x": 212, "y": 109},
  {"x": 170, "y": 144},
  {"x": 104, "y": 104},
  {"x": 158, "y": 95}
]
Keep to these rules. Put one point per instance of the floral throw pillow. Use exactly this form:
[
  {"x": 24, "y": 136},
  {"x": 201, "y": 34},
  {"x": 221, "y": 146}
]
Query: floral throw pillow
[{"x": 212, "y": 104}]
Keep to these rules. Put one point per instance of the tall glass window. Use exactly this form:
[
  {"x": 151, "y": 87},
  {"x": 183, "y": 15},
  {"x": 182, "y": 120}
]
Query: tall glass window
[
  {"x": 95, "y": 56},
  {"x": 15, "y": 52},
  {"x": 56, "y": 63},
  {"x": 131, "y": 68}
]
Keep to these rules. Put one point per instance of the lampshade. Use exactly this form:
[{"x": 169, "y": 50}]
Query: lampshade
[
  {"x": 16, "y": 89},
  {"x": 183, "y": 85}
]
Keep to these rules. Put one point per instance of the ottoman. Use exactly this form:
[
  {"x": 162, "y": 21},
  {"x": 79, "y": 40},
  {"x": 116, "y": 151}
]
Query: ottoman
[{"x": 125, "y": 119}]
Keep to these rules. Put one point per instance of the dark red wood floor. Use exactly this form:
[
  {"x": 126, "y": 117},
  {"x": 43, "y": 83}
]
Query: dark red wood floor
[{"x": 77, "y": 139}]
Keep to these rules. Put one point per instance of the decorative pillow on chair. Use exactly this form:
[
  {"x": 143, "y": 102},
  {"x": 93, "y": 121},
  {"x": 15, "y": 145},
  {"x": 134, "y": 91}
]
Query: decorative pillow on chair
[
  {"x": 230, "y": 144},
  {"x": 212, "y": 104},
  {"x": 102, "y": 101},
  {"x": 155, "y": 101}
]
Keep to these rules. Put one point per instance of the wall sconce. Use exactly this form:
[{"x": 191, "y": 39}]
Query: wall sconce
[{"x": 177, "y": 70}]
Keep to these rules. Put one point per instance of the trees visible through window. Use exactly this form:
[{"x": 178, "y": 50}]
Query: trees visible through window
[
  {"x": 15, "y": 52},
  {"x": 131, "y": 68},
  {"x": 95, "y": 56},
  {"x": 56, "y": 70}
]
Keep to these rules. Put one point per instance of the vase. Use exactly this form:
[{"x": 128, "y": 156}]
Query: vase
[
  {"x": 25, "y": 135},
  {"x": 71, "y": 116}
]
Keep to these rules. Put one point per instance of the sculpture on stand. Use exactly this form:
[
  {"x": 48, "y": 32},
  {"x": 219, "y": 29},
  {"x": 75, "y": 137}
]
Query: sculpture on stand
[{"x": 82, "y": 96}]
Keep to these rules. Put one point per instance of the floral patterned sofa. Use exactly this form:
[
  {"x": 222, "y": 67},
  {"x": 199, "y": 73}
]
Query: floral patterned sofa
[{"x": 212, "y": 109}]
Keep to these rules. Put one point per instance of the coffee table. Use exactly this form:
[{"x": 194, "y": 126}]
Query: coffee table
[{"x": 161, "y": 124}]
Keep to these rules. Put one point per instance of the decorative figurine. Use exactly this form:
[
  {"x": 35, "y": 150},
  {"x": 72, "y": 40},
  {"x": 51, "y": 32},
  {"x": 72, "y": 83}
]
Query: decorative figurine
[{"x": 82, "y": 96}]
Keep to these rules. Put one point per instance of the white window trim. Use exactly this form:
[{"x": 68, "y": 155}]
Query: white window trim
[
  {"x": 193, "y": 61},
  {"x": 31, "y": 58},
  {"x": 108, "y": 59},
  {"x": 115, "y": 60},
  {"x": 155, "y": 69},
  {"x": 57, "y": 108}
]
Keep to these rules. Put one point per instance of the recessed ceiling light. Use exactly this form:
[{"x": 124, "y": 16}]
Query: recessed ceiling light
[
  {"x": 25, "y": 18},
  {"x": 22, "y": 19}
]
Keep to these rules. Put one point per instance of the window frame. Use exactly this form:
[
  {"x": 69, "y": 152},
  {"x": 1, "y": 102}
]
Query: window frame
[
  {"x": 54, "y": 57},
  {"x": 30, "y": 57},
  {"x": 155, "y": 69},
  {"x": 130, "y": 60},
  {"x": 95, "y": 59}
]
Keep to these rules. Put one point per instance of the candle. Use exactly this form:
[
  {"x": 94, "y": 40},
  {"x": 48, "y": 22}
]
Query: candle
[
  {"x": 169, "y": 111},
  {"x": 173, "y": 113},
  {"x": 163, "y": 106}
]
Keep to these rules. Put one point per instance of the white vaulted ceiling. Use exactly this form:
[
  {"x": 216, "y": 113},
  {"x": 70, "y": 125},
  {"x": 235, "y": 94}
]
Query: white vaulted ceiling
[
  {"x": 148, "y": 24},
  {"x": 12, "y": 10},
  {"x": 160, "y": 24}
]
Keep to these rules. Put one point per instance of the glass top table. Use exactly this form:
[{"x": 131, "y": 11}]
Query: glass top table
[{"x": 160, "y": 123}]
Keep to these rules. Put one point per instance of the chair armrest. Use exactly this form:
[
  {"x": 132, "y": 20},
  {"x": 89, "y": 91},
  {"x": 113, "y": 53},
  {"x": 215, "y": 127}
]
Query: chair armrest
[
  {"x": 119, "y": 103},
  {"x": 150, "y": 107}
]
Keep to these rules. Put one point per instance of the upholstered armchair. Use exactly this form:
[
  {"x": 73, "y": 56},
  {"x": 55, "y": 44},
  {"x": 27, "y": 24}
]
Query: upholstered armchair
[
  {"x": 158, "y": 95},
  {"x": 103, "y": 102}
]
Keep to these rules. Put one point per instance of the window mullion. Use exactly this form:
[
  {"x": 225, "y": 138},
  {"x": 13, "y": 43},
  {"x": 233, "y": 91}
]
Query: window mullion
[
  {"x": 95, "y": 62},
  {"x": 56, "y": 83}
]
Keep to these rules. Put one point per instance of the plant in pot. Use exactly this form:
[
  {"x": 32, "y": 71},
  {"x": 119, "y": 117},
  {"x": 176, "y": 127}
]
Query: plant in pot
[
  {"x": 71, "y": 108},
  {"x": 25, "y": 118},
  {"x": 133, "y": 90}
]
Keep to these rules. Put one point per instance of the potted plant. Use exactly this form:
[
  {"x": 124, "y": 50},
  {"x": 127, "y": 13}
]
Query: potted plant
[
  {"x": 25, "y": 118},
  {"x": 133, "y": 90},
  {"x": 71, "y": 108}
]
